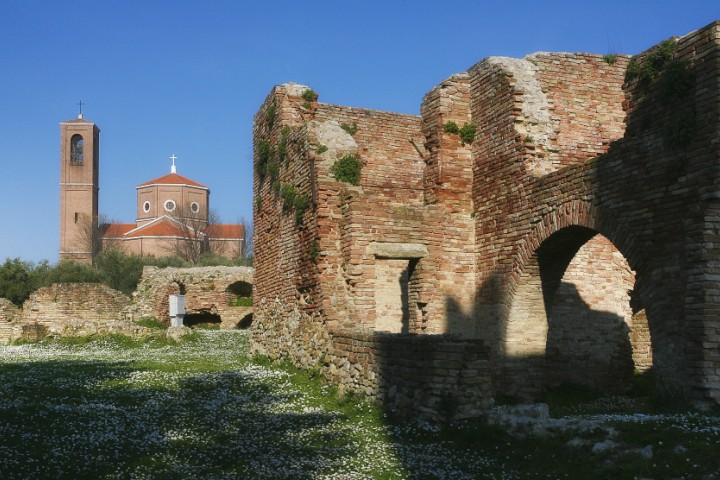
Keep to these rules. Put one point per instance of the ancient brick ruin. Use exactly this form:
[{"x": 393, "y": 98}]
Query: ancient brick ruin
[
  {"x": 574, "y": 236},
  {"x": 68, "y": 309},
  {"x": 214, "y": 295},
  {"x": 211, "y": 295}
]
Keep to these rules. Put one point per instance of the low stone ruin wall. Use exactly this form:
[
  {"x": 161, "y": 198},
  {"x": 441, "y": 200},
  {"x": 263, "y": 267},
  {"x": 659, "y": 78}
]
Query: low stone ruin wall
[
  {"x": 208, "y": 291},
  {"x": 78, "y": 309},
  {"x": 67, "y": 309},
  {"x": 437, "y": 377},
  {"x": 9, "y": 314}
]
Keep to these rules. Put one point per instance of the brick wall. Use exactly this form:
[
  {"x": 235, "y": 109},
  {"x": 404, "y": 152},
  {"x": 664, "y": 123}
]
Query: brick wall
[
  {"x": 77, "y": 309},
  {"x": 207, "y": 290},
  {"x": 9, "y": 313},
  {"x": 582, "y": 218}
]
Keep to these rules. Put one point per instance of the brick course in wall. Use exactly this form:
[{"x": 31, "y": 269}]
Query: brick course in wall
[
  {"x": 71, "y": 309},
  {"x": 582, "y": 221},
  {"x": 209, "y": 292}
]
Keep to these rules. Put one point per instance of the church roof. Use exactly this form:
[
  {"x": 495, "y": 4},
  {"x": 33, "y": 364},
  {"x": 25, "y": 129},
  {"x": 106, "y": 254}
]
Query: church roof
[
  {"x": 162, "y": 228},
  {"x": 117, "y": 230},
  {"x": 167, "y": 227},
  {"x": 226, "y": 231},
  {"x": 172, "y": 179}
]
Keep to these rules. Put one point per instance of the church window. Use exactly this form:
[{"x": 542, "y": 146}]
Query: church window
[
  {"x": 146, "y": 207},
  {"x": 76, "y": 149},
  {"x": 194, "y": 207},
  {"x": 169, "y": 205}
]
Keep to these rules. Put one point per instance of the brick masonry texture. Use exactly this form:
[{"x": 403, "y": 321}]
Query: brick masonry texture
[
  {"x": 574, "y": 240},
  {"x": 208, "y": 291},
  {"x": 72, "y": 309}
]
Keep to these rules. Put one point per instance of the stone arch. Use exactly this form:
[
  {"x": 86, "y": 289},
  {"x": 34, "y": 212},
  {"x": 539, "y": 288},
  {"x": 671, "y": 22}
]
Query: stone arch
[{"x": 572, "y": 302}]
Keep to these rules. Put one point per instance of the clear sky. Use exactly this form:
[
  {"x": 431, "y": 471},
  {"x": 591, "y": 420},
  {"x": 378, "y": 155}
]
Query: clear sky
[{"x": 185, "y": 77}]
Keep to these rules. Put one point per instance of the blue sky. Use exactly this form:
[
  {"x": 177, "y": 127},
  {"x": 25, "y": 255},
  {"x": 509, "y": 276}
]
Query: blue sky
[{"x": 185, "y": 77}]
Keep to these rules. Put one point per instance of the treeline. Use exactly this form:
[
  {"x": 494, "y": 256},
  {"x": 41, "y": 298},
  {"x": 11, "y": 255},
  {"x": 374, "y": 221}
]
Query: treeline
[{"x": 19, "y": 278}]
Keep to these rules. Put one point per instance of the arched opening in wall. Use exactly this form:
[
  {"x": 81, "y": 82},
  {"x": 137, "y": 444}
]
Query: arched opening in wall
[
  {"x": 574, "y": 318},
  {"x": 245, "y": 322},
  {"x": 239, "y": 294},
  {"x": 202, "y": 320}
]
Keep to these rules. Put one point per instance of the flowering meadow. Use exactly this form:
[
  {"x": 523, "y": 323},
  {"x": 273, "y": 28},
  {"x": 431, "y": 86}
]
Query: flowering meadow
[{"x": 117, "y": 408}]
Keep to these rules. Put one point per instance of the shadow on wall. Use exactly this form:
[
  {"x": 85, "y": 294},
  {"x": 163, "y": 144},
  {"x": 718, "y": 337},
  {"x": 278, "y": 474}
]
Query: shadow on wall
[{"x": 540, "y": 329}]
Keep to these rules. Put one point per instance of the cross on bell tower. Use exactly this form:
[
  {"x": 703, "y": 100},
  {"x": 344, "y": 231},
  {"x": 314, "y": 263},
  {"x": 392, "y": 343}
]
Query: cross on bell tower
[{"x": 172, "y": 168}]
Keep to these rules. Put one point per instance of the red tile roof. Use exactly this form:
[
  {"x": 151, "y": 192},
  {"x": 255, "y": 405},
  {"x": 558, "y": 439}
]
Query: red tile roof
[
  {"x": 226, "y": 231},
  {"x": 172, "y": 179},
  {"x": 117, "y": 230},
  {"x": 163, "y": 228}
]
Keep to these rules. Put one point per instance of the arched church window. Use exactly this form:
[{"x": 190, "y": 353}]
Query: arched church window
[{"x": 76, "y": 149}]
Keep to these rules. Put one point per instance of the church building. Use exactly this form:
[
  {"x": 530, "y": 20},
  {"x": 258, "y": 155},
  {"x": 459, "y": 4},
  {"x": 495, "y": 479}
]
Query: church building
[{"x": 172, "y": 215}]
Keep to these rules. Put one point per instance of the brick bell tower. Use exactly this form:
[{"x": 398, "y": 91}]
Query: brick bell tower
[{"x": 79, "y": 167}]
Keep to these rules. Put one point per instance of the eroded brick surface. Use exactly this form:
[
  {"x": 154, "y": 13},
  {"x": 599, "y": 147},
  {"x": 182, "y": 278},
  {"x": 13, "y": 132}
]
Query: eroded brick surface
[{"x": 581, "y": 222}]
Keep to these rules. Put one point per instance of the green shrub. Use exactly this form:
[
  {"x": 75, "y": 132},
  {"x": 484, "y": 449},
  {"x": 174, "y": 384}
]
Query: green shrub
[
  {"x": 121, "y": 272},
  {"x": 301, "y": 205},
  {"x": 351, "y": 129},
  {"x": 15, "y": 280},
  {"x": 467, "y": 133},
  {"x": 677, "y": 81},
  {"x": 610, "y": 58},
  {"x": 264, "y": 153},
  {"x": 347, "y": 169},
  {"x": 308, "y": 95},
  {"x": 451, "y": 127},
  {"x": 271, "y": 114},
  {"x": 322, "y": 149},
  {"x": 287, "y": 192},
  {"x": 653, "y": 64},
  {"x": 314, "y": 250}
]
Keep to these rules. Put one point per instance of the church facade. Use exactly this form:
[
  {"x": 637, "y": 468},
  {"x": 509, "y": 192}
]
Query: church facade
[{"x": 173, "y": 214}]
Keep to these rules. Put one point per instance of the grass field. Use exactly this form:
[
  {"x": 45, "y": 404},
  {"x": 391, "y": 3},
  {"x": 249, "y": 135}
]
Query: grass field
[{"x": 113, "y": 407}]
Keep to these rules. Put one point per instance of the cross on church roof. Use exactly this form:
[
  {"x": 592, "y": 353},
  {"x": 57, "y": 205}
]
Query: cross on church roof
[
  {"x": 81, "y": 104},
  {"x": 173, "y": 169}
]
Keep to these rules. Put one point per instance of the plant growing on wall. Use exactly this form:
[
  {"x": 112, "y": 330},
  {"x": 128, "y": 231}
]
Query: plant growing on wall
[
  {"x": 351, "y": 129},
  {"x": 287, "y": 193},
  {"x": 308, "y": 95},
  {"x": 451, "y": 127},
  {"x": 264, "y": 153},
  {"x": 610, "y": 58},
  {"x": 347, "y": 169},
  {"x": 314, "y": 250},
  {"x": 322, "y": 149},
  {"x": 301, "y": 204},
  {"x": 466, "y": 133},
  {"x": 282, "y": 145},
  {"x": 271, "y": 115},
  {"x": 655, "y": 62}
]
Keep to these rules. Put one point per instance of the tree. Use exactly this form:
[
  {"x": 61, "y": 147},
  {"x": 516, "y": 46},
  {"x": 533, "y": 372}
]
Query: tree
[
  {"x": 193, "y": 240},
  {"x": 246, "y": 251},
  {"x": 92, "y": 230},
  {"x": 15, "y": 280}
]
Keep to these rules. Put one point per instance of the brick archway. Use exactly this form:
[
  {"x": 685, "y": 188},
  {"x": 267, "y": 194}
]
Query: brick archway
[{"x": 570, "y": 314}]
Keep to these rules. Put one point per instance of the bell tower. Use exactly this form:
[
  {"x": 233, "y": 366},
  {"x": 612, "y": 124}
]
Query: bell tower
[{"x": 79, "y": 167}]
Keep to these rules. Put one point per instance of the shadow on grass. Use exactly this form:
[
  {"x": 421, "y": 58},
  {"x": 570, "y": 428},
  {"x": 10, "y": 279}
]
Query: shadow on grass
[{"x": 99, "y": 419}]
